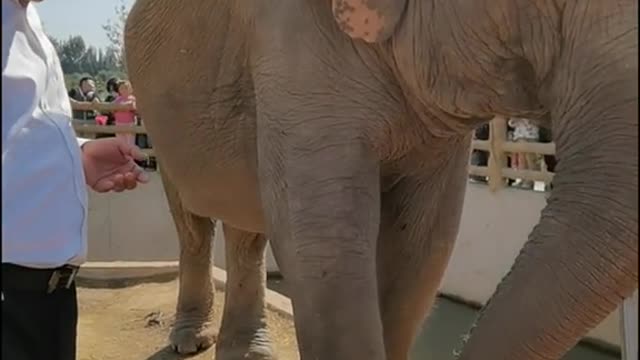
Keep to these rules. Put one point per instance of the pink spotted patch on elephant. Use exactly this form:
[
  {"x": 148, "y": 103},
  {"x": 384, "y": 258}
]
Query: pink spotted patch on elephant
[{"x": 358, "y": 19}]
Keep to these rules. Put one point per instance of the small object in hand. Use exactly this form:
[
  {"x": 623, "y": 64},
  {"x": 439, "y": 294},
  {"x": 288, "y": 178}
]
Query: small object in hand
[{"x": 148, "y": 164}]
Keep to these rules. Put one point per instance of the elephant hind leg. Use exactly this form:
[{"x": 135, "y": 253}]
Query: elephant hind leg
[
  {"x": 243, "y": 332},
  {"x": 193, "y": 329},
  {"x": 419, "y": 225}
]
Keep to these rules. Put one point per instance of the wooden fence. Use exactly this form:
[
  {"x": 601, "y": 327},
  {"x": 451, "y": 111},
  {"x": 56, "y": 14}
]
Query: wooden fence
[
  {"x": 497, "y": 146},
  {"x": 88, "y": 129}
]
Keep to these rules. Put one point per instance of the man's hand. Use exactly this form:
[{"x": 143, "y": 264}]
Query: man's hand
[{"x": 109, "y": 165}]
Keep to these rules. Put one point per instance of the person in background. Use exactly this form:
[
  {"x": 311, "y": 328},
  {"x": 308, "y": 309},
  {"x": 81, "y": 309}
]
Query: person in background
[
  {"x": 525, "y": 130},
  {"x": 85, "y": 92},
  {"x": 112, "y": 89},
  {"x": 45, "y": 174},
  {"x": 112, "y": 93},
  {"x": 125, "y": 117},
  {"x": 141, "y": 140}
]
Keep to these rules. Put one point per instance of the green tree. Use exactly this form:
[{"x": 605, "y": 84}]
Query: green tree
[
  {"x": 89, "y": 62},
  {"x": 76, "y": 57},
  {"x": 114, "y": 29},
  {"x": 78, "y": 60},
  {"x": 55, "y": 42},
  {"x": 71, "y": 53},
  {"x": 110, "y": 60}
]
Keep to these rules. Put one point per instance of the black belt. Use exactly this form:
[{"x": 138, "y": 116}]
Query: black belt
[{"x": 47, "y": 280}]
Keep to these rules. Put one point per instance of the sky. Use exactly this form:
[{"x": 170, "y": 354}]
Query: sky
[{"x": 79, "y": 17}]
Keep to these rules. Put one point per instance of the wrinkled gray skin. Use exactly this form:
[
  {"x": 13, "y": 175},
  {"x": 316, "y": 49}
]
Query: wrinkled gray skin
[{"x": 350, "y": 155}]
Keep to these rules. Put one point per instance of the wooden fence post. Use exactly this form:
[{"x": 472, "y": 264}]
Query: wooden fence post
[{"x": 497, "y": 157}]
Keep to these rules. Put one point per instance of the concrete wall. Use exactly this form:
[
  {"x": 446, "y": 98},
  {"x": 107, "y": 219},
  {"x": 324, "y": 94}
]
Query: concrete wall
[
  {"x": 132, "y": 226},
  {"x": 629, "y": 328},
  {"x": 136, "y": 226},
  {"x": 493, "y": 230}
]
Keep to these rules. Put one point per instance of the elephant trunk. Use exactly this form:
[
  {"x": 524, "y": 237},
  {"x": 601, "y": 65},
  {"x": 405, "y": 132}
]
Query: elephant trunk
[
  {"x": 577, "y": 267},
  {"x": 581, "y": 260}
]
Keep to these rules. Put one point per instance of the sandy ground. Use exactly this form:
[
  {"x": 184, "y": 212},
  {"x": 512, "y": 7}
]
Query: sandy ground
[{"x": 133, "y": 323}]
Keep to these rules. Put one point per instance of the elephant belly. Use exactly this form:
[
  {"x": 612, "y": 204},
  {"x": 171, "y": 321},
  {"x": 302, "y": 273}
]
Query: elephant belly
[
  {"x": 225, "y": 193},
  {"x": 234, "y": 204}
]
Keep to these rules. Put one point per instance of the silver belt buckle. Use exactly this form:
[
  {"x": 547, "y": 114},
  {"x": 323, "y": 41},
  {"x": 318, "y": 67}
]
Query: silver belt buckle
[
  {"x": 54, "y": 280},
  {"x": 72, "y": 276}
]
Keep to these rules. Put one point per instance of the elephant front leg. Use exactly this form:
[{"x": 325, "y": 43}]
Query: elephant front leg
[
  {"x": 193, "y": 328},
  {"x": 419, "y": 225},
  {"x": 321, "y": 190},
  {"x": 243, "y": 332}
]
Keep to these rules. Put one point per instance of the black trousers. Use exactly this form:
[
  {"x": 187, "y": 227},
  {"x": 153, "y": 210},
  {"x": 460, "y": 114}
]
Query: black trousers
[{"x": 37, "y": 325}]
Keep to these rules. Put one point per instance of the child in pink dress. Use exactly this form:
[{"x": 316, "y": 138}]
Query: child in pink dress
[{"x": 125, "y": 118}]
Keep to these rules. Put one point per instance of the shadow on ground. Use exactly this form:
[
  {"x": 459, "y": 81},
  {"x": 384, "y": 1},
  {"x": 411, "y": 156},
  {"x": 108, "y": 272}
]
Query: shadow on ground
[{"x": 166, "y": 353}]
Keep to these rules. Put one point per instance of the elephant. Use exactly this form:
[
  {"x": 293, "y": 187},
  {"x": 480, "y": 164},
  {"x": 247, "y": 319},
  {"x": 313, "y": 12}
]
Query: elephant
[{"x": 340, "y": 131}]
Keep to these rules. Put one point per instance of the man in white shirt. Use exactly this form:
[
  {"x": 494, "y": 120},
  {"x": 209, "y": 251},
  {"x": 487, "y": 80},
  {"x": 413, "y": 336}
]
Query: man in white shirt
[{"x": 44, "y": 196}]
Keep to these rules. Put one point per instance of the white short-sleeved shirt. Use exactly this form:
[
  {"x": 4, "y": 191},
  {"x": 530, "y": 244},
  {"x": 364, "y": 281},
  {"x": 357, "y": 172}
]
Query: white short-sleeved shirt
[{"x": 44, "y": 197}]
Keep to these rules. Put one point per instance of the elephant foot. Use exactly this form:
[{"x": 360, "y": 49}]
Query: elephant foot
[
  {"x": 189, "y": 337},
  {"x": 239, "y": 346}
]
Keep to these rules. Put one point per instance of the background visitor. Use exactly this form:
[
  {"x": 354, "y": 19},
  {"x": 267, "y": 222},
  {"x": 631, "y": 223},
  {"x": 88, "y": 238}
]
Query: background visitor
[{"x": 125, "y": 117}]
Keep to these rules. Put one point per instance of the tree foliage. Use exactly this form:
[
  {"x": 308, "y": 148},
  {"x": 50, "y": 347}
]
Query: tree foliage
[
  {"x": 79, "y": 59},
  {"x": 114, "y": 29},
  {"x": 76, "y": 57}
]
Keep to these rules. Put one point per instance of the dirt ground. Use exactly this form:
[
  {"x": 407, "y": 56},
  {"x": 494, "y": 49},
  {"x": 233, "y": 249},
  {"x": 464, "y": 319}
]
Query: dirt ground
[{"x": 133, "y": 323}]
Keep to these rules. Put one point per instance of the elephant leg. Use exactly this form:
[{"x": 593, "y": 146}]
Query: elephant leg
[
  {"x": 419, "y": 225},
  {"x": 320, "y": 182},
  {"x": 321, "y": 198},
  {"x": 243, "y": 332},
  {"x": 192, "y": 330}
]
